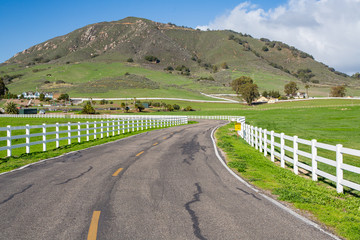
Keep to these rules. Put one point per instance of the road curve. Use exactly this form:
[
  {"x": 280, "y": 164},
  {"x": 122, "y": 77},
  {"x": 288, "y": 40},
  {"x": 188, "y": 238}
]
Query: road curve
[{"x": 164, "y": 184}]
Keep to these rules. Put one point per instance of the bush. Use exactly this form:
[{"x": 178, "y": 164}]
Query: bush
[
  {"x": 64, "y": 96},
  {"x": 224, "y": 65},
  {"x": 169, "y": 68},
  {"x": 88, "y": 109},
  {"x": 152, "y": 59},
  {"x": 11, "y": 108},
  {"x": 265, "y": 49},
  {"x": 60, "y": 81},
  {"x": 176, "y": 107},
  {"x": 42, "y": 97},
  {"x": 338, "y": 91},
  {"x": 188, "y": 108},
  {"x": 170, "y": 107},
  {"x": 130, "y": 60},
  {"x": 46, "y": 82},
  {"x": 283, "y": 98}
]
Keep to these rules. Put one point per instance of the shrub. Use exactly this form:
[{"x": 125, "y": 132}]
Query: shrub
[
  {"x": 224, "y": 65},
  {"x": 169, "y": 68},
  {"x": 42, "y": 97},
  {"x": 176, "y": 107},
  {"x": 338, "y": 91},
  {"x": 60, "y": 81},
  {"x": 152, "y": 59},
  {"x": 188, "y": 108},
  {"x": 11, "y": 108},
  {"x": 130, "y": 60},
  {"x": 315, "y": 81},
  {"x": 265, "y": 49},
  {"x": 170, "y": 107},
  {"x": 64, "y": 96},
  {"x": 46, "y": 82},
  {"x": 283, "y": 98},
  {"x": 88, "y": 109}
]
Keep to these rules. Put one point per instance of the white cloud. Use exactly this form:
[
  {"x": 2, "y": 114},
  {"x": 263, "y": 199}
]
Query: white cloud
[{"x": 327, "y": 29}]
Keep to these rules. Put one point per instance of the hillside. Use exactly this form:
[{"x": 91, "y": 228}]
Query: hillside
[{"x": 96, "y": 61}]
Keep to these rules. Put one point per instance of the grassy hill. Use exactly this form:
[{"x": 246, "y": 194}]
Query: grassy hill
[{"x": 93, "y": 61}]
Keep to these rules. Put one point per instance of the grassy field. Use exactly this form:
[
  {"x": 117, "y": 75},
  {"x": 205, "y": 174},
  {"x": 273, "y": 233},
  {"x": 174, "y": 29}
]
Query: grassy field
[{"x": 340, "y": 212}]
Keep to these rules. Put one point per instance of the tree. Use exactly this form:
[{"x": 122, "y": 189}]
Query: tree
[
  {"x": 3, "y": 88},
  {"x": 307, "y": 86},
  {"x": 139, "y": 106},
  {"x": 338, "y": 91},
  {"x": 265, "y": 49},
  {"x": 64, "y": 96},
  {"x": 130, "y": 60},
  {"x": 188, "y": 108},
  {"x": 170, "y": 107},
  {"x": 127, "y": 109},
  {"x": 249, "y": 92},
  {"x": 152, "y": 59},
  {"x": 123, "y": 105},
  {"x": 11, "y": 108},
  {"x": 88, "y": 109},
  {"x": 291, "y": 88},
  {"x": 356, "y": 75},
  {"x": 42, "y": 97},
  {"x": 176, "y": 107},
  {"x": 265, "y": 93},
  {"x": 236, "y": 84}
]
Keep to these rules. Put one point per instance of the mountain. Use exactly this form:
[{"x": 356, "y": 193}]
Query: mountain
[{"x": 202, "y": 61}]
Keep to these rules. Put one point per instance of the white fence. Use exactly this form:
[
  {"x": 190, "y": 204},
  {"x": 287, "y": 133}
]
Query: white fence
[
  {"x": 78, "y": 116},
  {"x": 265, "y": 141},
  {"x": 79, "y": 131}
]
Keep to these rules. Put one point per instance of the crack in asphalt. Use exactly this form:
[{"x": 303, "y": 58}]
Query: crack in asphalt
[
  {"x": 194, "y": 217},
  {"x": 81, "y": 174},
  {"x": 13, "y": 195},
  {"x": 247, "y": 193}
]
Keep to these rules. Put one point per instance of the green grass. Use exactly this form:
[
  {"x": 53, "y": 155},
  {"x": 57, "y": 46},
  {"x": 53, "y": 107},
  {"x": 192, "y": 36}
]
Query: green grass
[{"x": 340, "y": 212}]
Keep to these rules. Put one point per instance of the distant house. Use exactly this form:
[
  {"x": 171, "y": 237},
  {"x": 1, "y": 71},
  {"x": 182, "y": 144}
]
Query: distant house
[
  {"x": 35, "y": 95},
  {"x": 262, "y": 99}
]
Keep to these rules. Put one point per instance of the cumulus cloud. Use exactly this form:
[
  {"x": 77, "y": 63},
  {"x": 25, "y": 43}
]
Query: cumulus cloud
[{"x": 327, "y": 29}]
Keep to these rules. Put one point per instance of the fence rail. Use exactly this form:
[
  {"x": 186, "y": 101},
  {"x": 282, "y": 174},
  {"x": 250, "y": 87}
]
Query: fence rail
[
  {"x": 29, "y": 135},
  {"x": 286, "y": 149},
  {"x": 108, "y": 116}
]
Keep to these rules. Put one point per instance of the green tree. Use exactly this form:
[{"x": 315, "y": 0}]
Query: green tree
[
  {"x": 64, "y": 96},
  {"x": 3, "y": 88},
  {"x": 123, "y": 105},
  {"x": 356, "y": 75},
  {"x": 236, "y": 84},
  {"x": 307, "y": 86},
  {"x": 88, "y": 109},
  {"x": 176, "y": 107},
  {"x": 127, "y": 109},
  {"x": 170, "y": 107},
  {"x": 42, "y": 97},
  {"x": 188, "y": 108},
  {"x": 265, "y": 93},
  {"x": 139, "y": 106},
  {"x": 338, "y": 91},
  {"x": 291, "y": 88},
  {"x": 11, "y": 108},
  {"x": 249, "y": 92}
]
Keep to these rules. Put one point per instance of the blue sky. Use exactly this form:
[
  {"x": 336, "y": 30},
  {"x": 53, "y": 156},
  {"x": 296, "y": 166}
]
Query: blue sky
[
  {"x": 327, "y": 29},
  {"x": 28, "y": 22}
]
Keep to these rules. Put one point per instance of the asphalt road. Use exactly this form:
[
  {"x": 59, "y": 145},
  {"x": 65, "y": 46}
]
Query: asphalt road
[{"x": 164, "y": 184}]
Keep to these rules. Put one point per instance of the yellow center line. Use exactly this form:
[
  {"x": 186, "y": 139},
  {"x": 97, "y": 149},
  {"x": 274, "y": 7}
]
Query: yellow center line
[
  {"x": 117, "y": 172},
  {"x": 155, "y": 144},
  {"x": 139, "y": 153},
  {"x": 93, "y": 226}
]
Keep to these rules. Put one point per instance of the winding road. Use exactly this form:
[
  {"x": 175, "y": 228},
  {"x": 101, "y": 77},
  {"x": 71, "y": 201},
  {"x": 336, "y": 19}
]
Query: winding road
[{"x": 163, "y": 184}]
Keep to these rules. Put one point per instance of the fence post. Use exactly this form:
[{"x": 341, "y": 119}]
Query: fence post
[
  {"x": 102, "y": 129},
  {"x": 113, "y": 127},
  {"x": 133, "y": 125},
  {"x": 107, "y": 128},
  {"x": 57, "y": 136},
  {"x": 295, "y": 155},
  {"x": 272, "y": 146},
  {"x": 95, "y": 130},
  {"x": 27, "y": 131},
  {"x": 282, "y": 150},
  {"x": 252, "y": 136},
  {"x": 44, "y": 136},
  {"x": 79, "y": 132},
  {"x": 339, "y": 171},
  {"x": 313, "y": 159},
  {"x": 256, "y": 138},
  {"x": 8, "y": 141},
  {"x": 87, "y": 131},
  {"x": 265, "y": 142},
  {"x": 260, "y": 139},
  {"x": 69, "y": 133}
]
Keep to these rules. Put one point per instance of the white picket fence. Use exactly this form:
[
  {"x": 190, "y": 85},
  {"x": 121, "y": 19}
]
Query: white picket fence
[
  {"x": 81, "y": 130},
  {"x": 265, "y": 141}
]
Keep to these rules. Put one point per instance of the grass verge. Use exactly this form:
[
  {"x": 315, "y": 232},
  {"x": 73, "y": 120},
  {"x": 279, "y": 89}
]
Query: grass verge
[
  {"x": 11, "y": 163},
  {"x": 339, "y": 212}
]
